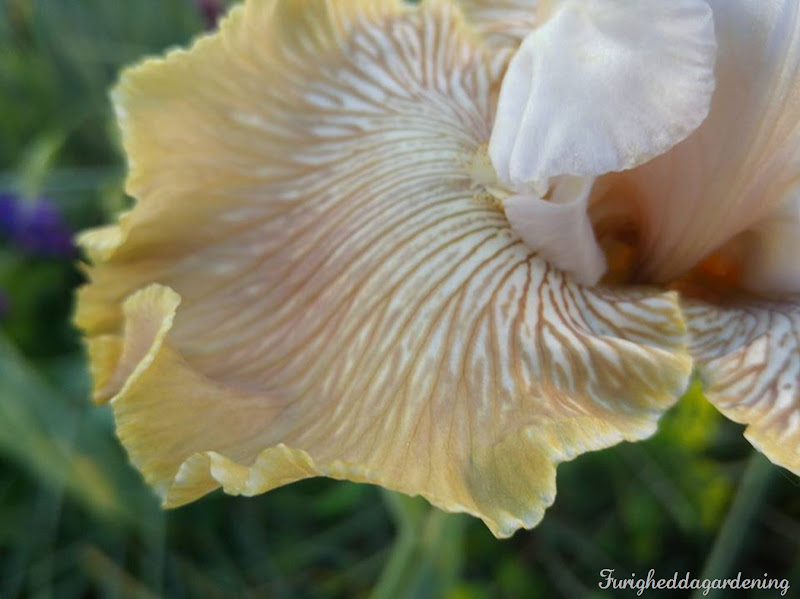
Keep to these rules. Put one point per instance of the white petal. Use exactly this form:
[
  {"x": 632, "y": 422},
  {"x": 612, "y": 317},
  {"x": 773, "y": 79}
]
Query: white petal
[
  {"x": 772, "y": 263},
  {"x": 559, "y": 228},
  {"x": 603, "y": 86},
  {"x": 740, "y": 166}
]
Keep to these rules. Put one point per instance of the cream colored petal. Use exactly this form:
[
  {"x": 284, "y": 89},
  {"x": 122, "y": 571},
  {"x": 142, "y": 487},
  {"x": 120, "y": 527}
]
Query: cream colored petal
[
  {"x": 602, "y": 86},
  {"x": 749, "y": 358},
  {"x": 503, "y": 23},
  {"x": 559, "y": 228},
  {"x": 736, "y": 170},
  {"x": 772, "y": 248},
  {"x": 350, "y": 303}
]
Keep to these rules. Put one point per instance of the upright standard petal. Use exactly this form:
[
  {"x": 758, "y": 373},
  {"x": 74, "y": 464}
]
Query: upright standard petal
[
  {"x": 739, "y": 170},
  {"x": 312, "y": 283},
  {"x": 771, "y": 248},
  {"x": 602, "y": 86}
]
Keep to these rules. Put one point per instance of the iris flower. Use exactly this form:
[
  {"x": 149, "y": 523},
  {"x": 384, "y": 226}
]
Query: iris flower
[{"x": 444, "y": 247}]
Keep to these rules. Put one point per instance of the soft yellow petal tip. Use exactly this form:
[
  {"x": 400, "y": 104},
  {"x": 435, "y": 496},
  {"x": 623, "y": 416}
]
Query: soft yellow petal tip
[{"x": 101, "y": 242}]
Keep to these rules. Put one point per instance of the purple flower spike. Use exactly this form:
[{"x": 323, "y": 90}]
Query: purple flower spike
[
  {"x": 45, "y": 232},
  {"x": 8, "y": 214},
  {"x": 210, "y": 11},
  {"x": 38, "y": 229}
]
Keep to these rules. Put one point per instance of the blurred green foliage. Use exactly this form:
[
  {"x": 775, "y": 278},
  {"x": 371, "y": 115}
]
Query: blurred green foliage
[{"x": 77, "y": 521}]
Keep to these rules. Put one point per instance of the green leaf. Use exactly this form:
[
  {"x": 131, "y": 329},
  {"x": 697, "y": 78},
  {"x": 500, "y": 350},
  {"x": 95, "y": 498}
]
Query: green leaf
[
  {"x": 62, "y": 444},
  {"x": 426, "y": 559}
]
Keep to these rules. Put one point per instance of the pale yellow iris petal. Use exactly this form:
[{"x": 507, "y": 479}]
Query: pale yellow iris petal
[
  {"x": 749, "y": 357},
  {"x": 176, "y": 424},
  {"x": 312, "y": 283}
]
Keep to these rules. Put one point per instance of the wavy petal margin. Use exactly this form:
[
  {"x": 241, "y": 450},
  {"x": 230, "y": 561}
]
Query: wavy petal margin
[
  {"x": 748, "y": 355},
  {"x": 311, "y": 283}
]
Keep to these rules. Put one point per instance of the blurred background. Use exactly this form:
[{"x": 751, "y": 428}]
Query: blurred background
[{"x": 77, "y": 521}]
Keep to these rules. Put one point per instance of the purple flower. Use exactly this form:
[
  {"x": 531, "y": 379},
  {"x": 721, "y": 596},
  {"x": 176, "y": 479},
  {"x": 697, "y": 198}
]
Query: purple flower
[
  {"x": 210, "y": 11},
  {"x": 36, "y": 228}
]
